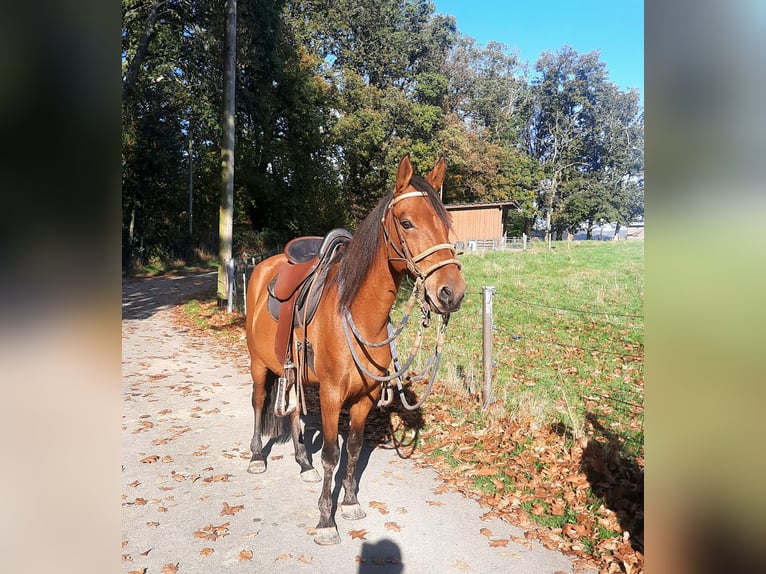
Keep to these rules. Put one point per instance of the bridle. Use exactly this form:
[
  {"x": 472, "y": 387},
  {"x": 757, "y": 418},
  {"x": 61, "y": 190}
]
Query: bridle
[{"x": 403, "y": 253}]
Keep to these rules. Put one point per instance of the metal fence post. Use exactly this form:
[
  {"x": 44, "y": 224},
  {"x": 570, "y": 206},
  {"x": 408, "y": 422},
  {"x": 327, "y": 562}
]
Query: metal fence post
[
  {"x": 487, "y": 330},
  {"x": 230, "y": 268}
]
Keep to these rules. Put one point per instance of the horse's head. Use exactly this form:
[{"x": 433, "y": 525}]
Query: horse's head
[{"x": 417, "y": 226}]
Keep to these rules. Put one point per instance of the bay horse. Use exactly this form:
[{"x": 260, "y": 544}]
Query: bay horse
[{"x": 407, "y": 234}]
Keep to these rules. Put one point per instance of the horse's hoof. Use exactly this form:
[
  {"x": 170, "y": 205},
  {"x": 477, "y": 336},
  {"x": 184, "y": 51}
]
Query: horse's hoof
[
  {"x": 327, "y": 536},
  {"x": 256, "y": 467},
  {"x": 310, "y": 475},
  {"x": 352, "y": 511}
]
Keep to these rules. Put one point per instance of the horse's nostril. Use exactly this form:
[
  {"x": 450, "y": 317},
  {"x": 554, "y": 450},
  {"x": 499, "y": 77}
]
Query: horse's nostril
[{"x": 445, "y": 294}]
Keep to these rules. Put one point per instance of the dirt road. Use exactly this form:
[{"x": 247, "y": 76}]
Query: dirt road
[{"x": 190, "y": 506}]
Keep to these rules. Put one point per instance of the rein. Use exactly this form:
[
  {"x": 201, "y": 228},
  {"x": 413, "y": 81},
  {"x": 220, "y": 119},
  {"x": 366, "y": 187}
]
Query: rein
[{"x": 418, "y": 294}]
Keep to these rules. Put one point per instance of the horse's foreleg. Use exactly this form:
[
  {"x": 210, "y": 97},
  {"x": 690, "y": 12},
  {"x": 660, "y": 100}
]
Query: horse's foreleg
[
  {"x": 308, "y": 472},
  {"x": 326, "y": 530},
  {"x": 350, "y": 508},
  {"x": 257, "y": 463}
]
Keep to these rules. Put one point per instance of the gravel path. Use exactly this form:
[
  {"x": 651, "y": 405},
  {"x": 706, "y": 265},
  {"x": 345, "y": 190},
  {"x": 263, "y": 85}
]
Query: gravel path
[{"x": 188, "y": 504}]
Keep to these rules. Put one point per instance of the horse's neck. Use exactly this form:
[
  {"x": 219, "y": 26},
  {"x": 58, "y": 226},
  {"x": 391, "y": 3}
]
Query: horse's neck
[{"x": 376, "y": 296}]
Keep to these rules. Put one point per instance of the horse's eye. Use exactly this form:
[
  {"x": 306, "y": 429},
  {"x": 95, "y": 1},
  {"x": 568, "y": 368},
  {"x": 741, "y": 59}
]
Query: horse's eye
[{"x": 407, "y": 224}]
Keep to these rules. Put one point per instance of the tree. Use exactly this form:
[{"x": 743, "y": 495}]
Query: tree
[
  {"x": 226, "y": 213},
  {"x": 562, "y": 116}
]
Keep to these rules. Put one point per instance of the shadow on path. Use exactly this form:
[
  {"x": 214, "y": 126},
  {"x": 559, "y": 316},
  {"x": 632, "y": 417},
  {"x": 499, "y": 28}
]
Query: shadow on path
[{"x": 142, "y": 298}]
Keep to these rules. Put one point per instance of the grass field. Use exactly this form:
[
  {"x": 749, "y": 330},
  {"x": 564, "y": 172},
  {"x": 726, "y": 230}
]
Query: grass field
[{"x": 568, "y": 335}]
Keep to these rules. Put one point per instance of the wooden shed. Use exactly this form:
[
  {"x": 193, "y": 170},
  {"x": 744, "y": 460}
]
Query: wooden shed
[{"x": 482, "y": 221}]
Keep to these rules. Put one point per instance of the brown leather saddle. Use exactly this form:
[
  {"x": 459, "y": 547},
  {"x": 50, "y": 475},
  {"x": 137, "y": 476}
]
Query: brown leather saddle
[{"x": 295, "y": 292}]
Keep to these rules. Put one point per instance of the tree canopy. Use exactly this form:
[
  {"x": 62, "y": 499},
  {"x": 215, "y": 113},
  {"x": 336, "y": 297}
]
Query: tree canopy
[{"x": 330, "y": 95}]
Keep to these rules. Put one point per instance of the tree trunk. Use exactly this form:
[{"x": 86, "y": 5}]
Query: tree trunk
[{"x": 226, "y": 211}]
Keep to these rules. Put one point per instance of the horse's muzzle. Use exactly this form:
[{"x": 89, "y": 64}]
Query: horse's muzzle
[{"x": 448, "y": 295}]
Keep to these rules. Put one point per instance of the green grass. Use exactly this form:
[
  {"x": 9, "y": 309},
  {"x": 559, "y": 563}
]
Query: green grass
[{"x": 568, "y": 338}]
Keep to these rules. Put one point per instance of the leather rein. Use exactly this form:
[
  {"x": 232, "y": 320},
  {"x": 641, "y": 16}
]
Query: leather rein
[{"x": 418, "y": 294}]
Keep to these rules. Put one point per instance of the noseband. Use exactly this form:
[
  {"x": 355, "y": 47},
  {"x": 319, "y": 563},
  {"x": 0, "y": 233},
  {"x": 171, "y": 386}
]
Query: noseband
[{"x": 404, "y": 253}]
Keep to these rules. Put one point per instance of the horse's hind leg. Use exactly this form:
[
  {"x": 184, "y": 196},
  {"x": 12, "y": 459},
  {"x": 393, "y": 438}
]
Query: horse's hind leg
[
  {"x": 260, "y": 375},
  {"x": 350, "y": 508},
  {"x": 308, "y": 472}
]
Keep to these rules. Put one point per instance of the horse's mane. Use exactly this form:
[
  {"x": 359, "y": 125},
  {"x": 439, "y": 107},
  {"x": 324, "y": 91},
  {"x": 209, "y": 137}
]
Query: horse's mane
[{"x": 356, "y": 259}]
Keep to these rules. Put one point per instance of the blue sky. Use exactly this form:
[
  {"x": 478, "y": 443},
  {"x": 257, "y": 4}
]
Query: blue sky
[{"x": 615, "y": 27}]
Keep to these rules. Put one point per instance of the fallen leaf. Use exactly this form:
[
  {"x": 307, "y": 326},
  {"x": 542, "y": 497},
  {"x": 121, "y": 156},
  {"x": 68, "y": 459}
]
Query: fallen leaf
[
  {"x": 206, "y": 551},
  {"x": 170, "y": 568},
  {"x": 177, "y": 477},
  {"x": 146, "y": 552},
  {"x": 211, "y": 532},
  {"x": 150, "y": 459},
  {"x": 167, "y": 458},
  {"x": 134, "y": 484},
  {"x": 124, "y": 543},
  {"x": 522, "y": 541},
  {"x": 486, "y": 532},
  {"x": 499, "y": 542},
  {"x": 393, "y": 526},
  {"x": 142, "y": 571},
  {"x": 231, "y": 510},
  {"x": 278, "y": 457},
  {"x": 282, "y": 557},
  {"x": 305, "y": 559},
  {"x": 246, "y": 555},
  {"x": 379, "y": 506},
  {"x": 218, "y": 478},
  {"x": 434, "y": 503},
  {"x": 152, "y": 523},
  {"x": 358, "y": 534},
  {"x": 401, "y": 510},
  {"x": 462, "y": 565},
  {"x": 486, "y": 471}
]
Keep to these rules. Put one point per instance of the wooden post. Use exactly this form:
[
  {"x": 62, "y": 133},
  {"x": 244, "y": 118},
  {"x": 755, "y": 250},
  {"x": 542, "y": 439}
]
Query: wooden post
[{"x": 487, "y": 331}]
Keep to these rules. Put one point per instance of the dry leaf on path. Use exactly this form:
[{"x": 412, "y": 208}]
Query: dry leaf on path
[
  {"x": 206, "y": 551},
  {"x": 211, "y": 532},
  {"x": 246, "y": 555},
  {"x": 170, "y": 568},
  {"x": 358, "y": 534},
  {"x": 498, "y": 542},
  {"x": 282, "y": 557},
  {"x": 150, "y": 459},
  {"x": 379, "y": 506},
  {"x": 486, "y": 532},
  {"x": 231, "y": 510},
  {"x": 393, "y": 526}
]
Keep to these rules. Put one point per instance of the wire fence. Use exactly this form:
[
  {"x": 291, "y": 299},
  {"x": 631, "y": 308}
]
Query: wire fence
[{"x": 467, "y": 366}]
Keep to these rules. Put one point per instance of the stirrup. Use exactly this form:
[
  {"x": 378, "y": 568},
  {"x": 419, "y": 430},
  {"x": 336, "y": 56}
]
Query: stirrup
[
  {"x": 287, "y": 396},
  {"x": 386, "y": 395}
]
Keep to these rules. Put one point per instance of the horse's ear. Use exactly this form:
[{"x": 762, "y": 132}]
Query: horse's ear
[
  {"x": 403, "y": 175},
  {"x": 436, "y": 176}
]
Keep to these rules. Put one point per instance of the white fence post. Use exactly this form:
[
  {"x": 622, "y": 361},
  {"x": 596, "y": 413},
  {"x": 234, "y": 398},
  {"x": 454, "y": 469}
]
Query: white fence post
[{"x": 487, "y": 331}]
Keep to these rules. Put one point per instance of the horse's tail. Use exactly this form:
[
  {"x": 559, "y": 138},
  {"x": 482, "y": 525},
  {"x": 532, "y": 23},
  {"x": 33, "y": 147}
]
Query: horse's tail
[{"x": 272, "y": 425}]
